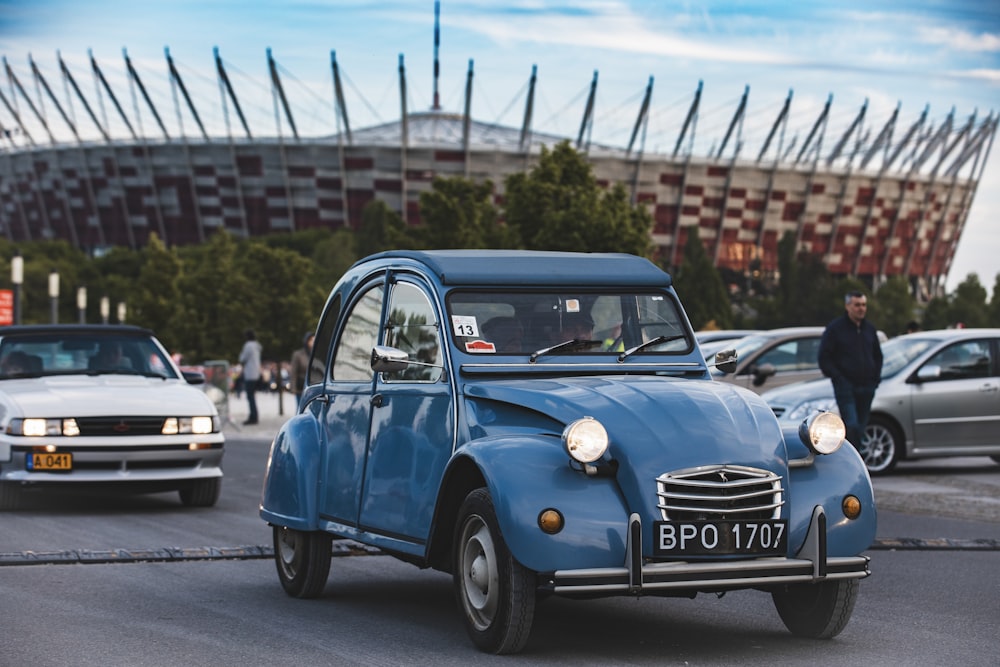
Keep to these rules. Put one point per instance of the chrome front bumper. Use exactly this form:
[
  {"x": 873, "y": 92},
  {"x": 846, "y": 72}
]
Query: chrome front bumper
[{"x": 811, "y": 564}]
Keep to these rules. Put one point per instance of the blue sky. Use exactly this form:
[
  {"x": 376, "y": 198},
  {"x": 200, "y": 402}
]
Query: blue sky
[{"x": 934, "y": 53}]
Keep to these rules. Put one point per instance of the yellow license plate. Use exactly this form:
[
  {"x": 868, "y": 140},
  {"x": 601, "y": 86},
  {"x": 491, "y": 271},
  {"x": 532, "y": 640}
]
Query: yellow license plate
[{"x": 52, "y": 462}]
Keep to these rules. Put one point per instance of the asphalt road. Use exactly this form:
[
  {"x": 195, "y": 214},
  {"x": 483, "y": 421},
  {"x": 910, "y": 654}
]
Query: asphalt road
[{"x": 141, "y": 580}]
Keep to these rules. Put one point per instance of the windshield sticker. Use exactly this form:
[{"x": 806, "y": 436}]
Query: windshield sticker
[
  {"x": 480, "y": 347},
  {"x": 465, "y": 325},
  {"x": 572, "y": 305}
]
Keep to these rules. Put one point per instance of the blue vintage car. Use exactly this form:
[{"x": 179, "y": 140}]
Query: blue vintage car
[{"x": 544, "y": 423}]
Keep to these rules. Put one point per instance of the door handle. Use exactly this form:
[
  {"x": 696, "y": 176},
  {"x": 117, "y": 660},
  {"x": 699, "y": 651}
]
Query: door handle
[{"x": 377, "y": 401}]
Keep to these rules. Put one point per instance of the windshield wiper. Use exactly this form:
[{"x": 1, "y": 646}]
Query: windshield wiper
[
  {"x": 125, "y": 371},
  {"x": 649, "y": 343},
  {"x": 566, "y": 344}
]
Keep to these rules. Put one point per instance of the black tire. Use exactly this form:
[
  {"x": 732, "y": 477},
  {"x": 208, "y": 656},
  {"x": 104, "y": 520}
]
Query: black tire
[
  {"x": 303, "y": 561},
  {"x": 881, "y": 446},
  {"x": 10, "y": 496},
  {"x": 816, "y": 611},
  {"x": 201, "y": 492},
  {"x": 495, "y": 593}
]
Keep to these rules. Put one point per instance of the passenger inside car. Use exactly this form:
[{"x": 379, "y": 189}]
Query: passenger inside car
[
  {"x": 505, "y": 333},
  {"x": 109, "y": 357}
]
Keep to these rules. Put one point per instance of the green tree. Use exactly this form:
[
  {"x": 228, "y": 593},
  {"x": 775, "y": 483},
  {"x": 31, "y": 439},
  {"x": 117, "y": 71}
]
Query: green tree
[
  {"x": 217, "y": 300},
  {"x": 936, "y": 313},
  {"x": 155, "y": 301},
  {"x": 460, "y": 213},
  {"x": 892, "y": 306},
  {"x": 993, "y": 316},
  {"x": 559, "y": 205},
  {"x": 381, "y": 228},
  {"x": 968, "y": 304},
  {"x": 700, "y": 286}
]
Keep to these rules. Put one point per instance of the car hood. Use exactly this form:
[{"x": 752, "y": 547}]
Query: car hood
[
  {"x": 798, "y": 392},
  {"x": 90, "y": 396},
  {"x": 656, "y": 424}
]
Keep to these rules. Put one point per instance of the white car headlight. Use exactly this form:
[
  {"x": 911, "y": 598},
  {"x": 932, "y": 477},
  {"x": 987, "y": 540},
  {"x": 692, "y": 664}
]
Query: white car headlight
[
  {"x": 806, "y": 408},
  {"x": 188, "y": 425},
  {"x": 585, "y": 440},
  {"x": 823, "y": 433},
  {"x": 37, "y": 427}
]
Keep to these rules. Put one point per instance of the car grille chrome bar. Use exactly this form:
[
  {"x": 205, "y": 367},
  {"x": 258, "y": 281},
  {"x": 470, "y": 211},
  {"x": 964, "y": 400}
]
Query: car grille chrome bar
[{"x": 718, "y": 492}]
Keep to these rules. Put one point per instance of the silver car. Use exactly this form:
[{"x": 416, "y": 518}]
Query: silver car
[
  {"x": 939, "y": 396},
  {"x": 770, "y": 359}
]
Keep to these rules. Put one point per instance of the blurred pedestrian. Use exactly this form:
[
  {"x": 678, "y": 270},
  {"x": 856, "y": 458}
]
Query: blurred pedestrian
[
  {"x": 299, "y": 370},
  {"x": 851, "y": 356},
  {"x": 250, "y": 358}
]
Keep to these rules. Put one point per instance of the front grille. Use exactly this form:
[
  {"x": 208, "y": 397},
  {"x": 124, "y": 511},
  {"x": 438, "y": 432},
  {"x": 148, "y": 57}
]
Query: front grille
[
  {"x": 115, "y": 426},
  {"x": 719, "y": 492}
]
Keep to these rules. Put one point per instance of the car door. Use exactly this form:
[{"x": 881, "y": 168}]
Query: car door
[
  {"x": 346, "y": 412},
  {"x": 412, "y": 424},
  {"x": 961, "y": 407},
  {"x": 793, "y": 360}
]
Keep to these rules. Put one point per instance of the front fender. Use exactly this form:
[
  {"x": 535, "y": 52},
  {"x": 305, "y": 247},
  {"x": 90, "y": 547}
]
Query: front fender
[
  {"x": 827, "y": 482},
  {"x": 289, "y": 497},
  {"x": 528, "y": 474}
]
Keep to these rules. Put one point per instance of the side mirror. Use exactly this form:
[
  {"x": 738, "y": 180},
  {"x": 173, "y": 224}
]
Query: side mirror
[
  {"x": 929, "y": 372},
  {"x": 725, "y": 361},
  {"x": 193, "y": 377},
  {"x": 761, "y": 373},
  {"x": 387, "y": 359}
]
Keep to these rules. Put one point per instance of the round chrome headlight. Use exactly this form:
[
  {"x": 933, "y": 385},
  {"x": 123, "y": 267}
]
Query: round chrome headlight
[
  {"x": 823, "y": 433},
  {"x": 585, "y": 440}
]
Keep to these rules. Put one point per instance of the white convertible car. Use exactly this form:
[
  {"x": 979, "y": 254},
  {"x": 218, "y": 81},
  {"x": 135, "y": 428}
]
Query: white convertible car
[{"x": 103, "y": 404}]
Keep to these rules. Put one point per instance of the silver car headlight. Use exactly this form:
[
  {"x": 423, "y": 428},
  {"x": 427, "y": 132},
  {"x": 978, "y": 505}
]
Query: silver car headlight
[
  {"x": 37, "y": 427},
  {"x": 806, "y": 408},
  {"x": 823, "y": 433},
  {"x": 188, "y": 425},
  {"x": 585, "y": 440}
]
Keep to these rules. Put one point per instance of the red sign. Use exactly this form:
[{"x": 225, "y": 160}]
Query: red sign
[{"x": 6, "y": 307}]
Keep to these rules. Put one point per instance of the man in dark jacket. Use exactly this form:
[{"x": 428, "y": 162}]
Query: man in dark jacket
[{"x": 851, "y": 356}]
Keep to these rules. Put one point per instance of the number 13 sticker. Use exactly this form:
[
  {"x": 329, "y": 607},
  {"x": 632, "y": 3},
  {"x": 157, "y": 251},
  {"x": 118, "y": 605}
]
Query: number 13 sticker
[{"x": 464, "y": 325}]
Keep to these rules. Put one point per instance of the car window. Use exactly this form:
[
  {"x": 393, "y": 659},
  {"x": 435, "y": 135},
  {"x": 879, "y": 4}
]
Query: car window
[
  {"x": 352, "y": 358},
  {"x": 413, "y": 328},
  {"x": 59, "y": 353},
  {"x": 968, "y": 359},
  {"x": 899, "y": 352},
  {"x": 800, "y": 354},
  {"x": 522, "y": 322},
  {"x": 321, "y": 345}
]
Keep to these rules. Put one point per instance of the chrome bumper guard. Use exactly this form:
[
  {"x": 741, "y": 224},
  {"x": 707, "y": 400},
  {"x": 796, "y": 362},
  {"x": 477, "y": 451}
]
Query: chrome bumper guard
[{"x": 810, "y": 564}]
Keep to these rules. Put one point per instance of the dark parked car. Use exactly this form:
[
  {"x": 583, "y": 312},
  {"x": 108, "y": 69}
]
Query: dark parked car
[{"x": 541, "y": 423}]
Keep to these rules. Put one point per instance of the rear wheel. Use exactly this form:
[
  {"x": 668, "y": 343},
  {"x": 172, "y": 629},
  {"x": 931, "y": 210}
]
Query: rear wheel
[
  {"x": 201, "y": 492},
  {"x": 303, "y": 560},
  {"x": 881, "y": 446},
  {"x": 816, "y": 611},
  {"x": 10, "y": 496},
  {"x": 495, "y": 593}
]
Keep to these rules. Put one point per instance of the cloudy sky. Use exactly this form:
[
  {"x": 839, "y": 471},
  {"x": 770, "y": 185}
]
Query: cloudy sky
[{"x": 938, "y": 54}]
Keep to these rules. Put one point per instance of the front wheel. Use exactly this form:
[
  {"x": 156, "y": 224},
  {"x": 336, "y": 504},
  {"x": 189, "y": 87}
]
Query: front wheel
[
  {"x": 816, "y": 611},
  {"x": 495, "y": 593},
  {"x": 303, "y": 560},
  {"x": 201, "y": 492},
  {"x": 881, "y": 446}
]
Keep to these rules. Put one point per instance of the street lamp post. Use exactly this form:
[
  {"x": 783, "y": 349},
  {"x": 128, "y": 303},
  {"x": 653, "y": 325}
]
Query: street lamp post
[
  {"x": 54, "y": 295},
  {"x": 105, "y": 309},
  {"x": 81, "y": 303},
  {"x": 17, "y": 279}
]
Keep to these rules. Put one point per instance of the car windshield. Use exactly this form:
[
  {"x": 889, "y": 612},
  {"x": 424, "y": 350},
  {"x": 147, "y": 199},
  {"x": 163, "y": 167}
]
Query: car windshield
[
  {"x": 557, "y": 323},
  {"x": 37, "y": 355},
  {"x": 899, "y": 352}
]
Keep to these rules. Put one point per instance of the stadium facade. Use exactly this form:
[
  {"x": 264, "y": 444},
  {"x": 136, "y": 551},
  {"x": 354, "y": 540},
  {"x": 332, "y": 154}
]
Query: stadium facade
[{"x": 873, "y": 202}]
